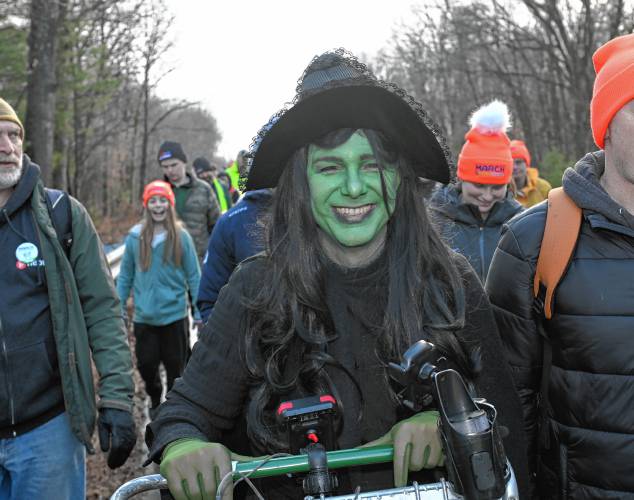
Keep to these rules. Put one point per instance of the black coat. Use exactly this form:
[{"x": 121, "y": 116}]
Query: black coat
[
  {"x": 591, "y": 387},
  {"x": 463, "y": 229},
  {"x": 209, "y": 400}
]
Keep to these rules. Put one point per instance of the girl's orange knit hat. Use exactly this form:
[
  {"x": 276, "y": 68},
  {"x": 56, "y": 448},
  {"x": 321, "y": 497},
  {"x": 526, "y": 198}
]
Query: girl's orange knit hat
[
  {"x": 158, "y": 188},
  {"x": 486, "y": 156},
  {"x": 614, "y": 84}
]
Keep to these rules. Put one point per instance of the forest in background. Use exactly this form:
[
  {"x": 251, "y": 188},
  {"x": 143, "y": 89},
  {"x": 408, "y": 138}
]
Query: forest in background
[
  {"x": 535, "y": 55},
  {"x": 84, "y": 74}
]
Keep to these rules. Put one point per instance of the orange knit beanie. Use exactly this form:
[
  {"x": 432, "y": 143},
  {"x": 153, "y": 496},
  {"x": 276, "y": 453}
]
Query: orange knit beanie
[
  {"x": 158, "y": 188},
  {"x": 614, "y": 84},
  {"x": 486, "y": 156},
  {"x": 520, "y": 151}
]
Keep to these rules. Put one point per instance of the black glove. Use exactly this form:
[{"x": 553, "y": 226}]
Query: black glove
[{"x": 117, "y": 433}]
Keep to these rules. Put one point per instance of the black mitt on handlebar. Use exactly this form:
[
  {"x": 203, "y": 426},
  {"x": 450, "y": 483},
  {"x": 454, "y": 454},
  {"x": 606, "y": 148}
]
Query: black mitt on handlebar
[{"x": 475, "y": 458}]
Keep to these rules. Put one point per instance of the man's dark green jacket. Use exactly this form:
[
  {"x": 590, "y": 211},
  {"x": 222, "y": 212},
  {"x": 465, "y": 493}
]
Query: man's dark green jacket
[{"x": 85, "y": 316}]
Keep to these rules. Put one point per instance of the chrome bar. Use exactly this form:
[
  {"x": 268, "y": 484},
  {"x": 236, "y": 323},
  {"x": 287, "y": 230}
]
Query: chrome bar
[
  {"x": 431, "y": 491},
  {"x": 139, "y": 485}
]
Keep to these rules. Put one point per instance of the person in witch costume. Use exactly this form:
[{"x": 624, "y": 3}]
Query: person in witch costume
[{"x": 353, "y": 274}]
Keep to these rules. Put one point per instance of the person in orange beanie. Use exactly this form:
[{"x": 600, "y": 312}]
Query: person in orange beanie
[
  {"x": 574, "y": 371},
  {"x": 530, "y": 187},
  {"x": 160, "y": 267},
  {"x": 470, "y": 213}
]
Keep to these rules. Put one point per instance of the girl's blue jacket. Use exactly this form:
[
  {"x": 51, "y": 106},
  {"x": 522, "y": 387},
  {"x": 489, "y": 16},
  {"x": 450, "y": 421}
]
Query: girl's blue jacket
[{"x": 160, "y": 293}]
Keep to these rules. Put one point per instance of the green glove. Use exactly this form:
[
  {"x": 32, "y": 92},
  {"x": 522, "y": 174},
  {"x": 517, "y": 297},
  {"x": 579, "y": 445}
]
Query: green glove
[
  {"x": 416, "y": 444},
  {"x": 194, "y": 468}
]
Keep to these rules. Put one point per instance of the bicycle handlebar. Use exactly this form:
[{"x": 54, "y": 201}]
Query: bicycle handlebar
[
  {"x": 432, "y": 491},
  {"x": 299, "y": 463}
]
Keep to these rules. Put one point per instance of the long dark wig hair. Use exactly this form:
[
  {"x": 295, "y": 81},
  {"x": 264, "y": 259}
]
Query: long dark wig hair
[{"x": 288, "y": 322}]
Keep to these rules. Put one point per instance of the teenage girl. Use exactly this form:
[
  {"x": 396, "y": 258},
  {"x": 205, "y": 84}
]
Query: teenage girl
[{"x": 161, "y": 267}]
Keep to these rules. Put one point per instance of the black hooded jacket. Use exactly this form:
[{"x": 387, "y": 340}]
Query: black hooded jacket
[
  {"x": 30, "y": 383},
  {"x": 591, "y": 386},
  {"x": 463, "y": 229},
  {"x": 215, "y": 412}
]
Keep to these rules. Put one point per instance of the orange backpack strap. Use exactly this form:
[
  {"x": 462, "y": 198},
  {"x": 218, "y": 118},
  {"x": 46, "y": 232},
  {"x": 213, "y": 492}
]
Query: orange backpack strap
[{"x": 563, "y": 222}]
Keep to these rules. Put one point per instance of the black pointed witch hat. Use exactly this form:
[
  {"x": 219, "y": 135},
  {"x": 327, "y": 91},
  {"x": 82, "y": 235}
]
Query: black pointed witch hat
[{"x": 337, "y": 91}]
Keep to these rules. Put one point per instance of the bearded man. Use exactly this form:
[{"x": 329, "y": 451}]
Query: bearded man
[{"x": 58, "y": 309}]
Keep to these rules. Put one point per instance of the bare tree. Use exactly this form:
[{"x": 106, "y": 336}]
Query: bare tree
[
  {"x": 154, "y": 46},
  {"x": 536, "y": 55},
  {"x": 90, "y": 70},
  {"x": 46, "y": 17}
]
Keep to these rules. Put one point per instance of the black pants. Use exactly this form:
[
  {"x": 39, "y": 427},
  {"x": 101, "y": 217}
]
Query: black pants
[{"x": 156, "y": 344}]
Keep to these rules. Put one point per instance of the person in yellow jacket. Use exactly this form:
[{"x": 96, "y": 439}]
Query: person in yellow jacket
[
  {"x": 531, "y": 189},
  {"x": 209, "y": 173},
  {"x": 236, "y": 169}
]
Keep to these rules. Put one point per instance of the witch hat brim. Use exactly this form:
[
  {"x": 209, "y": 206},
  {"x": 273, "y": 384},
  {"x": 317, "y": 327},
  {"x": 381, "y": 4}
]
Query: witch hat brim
[{"x": 368, "y": 104}]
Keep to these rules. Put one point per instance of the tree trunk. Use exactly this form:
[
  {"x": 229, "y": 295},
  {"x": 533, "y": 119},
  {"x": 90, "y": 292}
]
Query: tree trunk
[
  {"x": 146, "y": 133},
  {"x": 40, "y": 110}
]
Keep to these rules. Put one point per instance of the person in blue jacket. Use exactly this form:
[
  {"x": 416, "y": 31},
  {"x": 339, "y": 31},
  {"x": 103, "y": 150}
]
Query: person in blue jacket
[
  {"x": 161, "y": 267},
  {"x": 236, "y": 236}
]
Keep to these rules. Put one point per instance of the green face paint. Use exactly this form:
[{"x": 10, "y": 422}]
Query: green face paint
[{"x": 345, "y": 191}]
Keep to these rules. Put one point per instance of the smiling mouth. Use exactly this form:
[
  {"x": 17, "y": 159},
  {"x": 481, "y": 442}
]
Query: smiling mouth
[{"x": 352, "y": 215}]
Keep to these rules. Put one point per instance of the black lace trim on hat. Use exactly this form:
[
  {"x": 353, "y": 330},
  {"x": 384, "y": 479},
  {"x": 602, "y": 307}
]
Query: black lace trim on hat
[{"x": 350, "y": 72}]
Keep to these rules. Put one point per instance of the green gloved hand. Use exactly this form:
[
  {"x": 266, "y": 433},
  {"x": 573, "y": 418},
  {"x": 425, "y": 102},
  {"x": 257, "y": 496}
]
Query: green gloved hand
[
  {"x": 416, "y": 444},
  {"x": 194, "y": 468}
]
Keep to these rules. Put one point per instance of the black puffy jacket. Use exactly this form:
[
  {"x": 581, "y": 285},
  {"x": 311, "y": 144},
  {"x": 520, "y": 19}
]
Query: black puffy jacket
[
  {"x": 591, "y": 385},
  {"x": 463, "y": 229}
]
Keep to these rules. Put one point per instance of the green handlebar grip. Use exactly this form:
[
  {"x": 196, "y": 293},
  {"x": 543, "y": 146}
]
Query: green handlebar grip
[{"x": 299, "y": 463}]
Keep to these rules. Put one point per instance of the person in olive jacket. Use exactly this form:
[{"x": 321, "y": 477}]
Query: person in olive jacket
[
  {"x": 585, "y": 447},
  {"x": 471, "y": 212},
  {"x": 57, "y": 311},
  {"x": 196, "y": 204}
]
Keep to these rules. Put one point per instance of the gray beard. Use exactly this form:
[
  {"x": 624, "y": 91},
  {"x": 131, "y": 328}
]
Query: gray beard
[{"x": 10, "y": 177}]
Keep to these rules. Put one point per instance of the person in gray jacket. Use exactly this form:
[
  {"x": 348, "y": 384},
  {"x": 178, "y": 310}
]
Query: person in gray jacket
[{"x": 470, "y": 213}]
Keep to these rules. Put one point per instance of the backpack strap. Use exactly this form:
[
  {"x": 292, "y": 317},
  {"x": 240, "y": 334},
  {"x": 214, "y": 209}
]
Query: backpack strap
[
  {"x": 563, "y": 222},
  {"x": 59, "y": 209}
]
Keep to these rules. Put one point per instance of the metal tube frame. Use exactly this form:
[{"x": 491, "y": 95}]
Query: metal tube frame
[{"x": 336, "y": 460}]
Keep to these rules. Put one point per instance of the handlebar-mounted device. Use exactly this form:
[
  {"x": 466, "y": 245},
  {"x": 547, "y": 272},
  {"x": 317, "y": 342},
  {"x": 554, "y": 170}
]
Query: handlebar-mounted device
[
  {"x": 476, "y": 462},
  {"x": 310, "y": 423}
]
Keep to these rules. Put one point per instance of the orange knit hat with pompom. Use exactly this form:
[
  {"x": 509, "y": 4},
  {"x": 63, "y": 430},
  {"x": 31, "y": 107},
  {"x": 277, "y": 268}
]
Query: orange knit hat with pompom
[
  {"x": 158, "y": 188},
  {"x": 614, "y": 84},
  {"x": 520, "y": 151},
  {"x": 486, "y": 156}
]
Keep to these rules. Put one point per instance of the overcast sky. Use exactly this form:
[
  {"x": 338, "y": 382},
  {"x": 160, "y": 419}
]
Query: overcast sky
[{"x": 242, "y": 58}]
